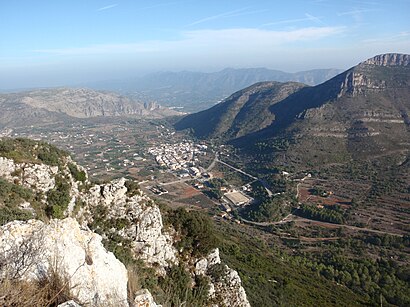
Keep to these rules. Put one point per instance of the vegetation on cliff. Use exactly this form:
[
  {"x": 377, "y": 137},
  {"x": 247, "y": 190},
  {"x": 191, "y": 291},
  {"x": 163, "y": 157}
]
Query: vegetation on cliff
[{"x": 25, "y": 150}]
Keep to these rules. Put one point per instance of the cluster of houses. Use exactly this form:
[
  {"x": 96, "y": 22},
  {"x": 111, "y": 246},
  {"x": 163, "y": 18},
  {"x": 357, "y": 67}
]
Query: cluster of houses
[{"x": 179, "y": 157}]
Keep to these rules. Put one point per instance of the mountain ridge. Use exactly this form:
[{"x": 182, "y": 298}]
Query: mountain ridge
[
  {"x": 196, "y": 91},
  {"x": 352, "y": 104},
  {"x": 63, "y": 104}
]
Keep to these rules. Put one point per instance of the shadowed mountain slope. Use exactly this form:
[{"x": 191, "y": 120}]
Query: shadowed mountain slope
[{"x": 366, "y": 108}]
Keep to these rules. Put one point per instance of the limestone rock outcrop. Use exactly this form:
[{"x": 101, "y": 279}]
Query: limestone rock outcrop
[
  {"x": 357, "y": 83},
  {"x": 202, "y": 265},
  {"x": 230, "y": 291},
  {"x": 143, "y": 298},
  {"x": 37, "y": 176},
  {"x": 225, "y": 290},
  {"x": 82, "y": 103},
  {"x": 362, "y": 79},
  {"x": 145, "y": 227},
  {"x": 42, "y": 178},
  {"x": 62, "y": 105},
  {"x": 95, "y": 276},
  {"x": 70, "y": 303},
  {"x": 389, "y": 59}
]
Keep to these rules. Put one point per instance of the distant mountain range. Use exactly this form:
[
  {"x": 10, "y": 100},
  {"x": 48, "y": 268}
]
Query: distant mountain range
[
  {"x": 62, "y": 104},
  {"x": 194, "y": 91},
  {"x": 363, "y": 111}
]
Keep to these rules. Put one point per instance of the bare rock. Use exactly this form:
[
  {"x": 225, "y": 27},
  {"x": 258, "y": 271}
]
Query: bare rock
[
  {"x": 230, "y": 291},
  {"x": 203, "y": 264},
  {"x": 389, "y": 59},
  {"x": 37, "y": 176},
  {"x": 95, "y": 275},
  {"x": 225, "y": 290},
  {"x": 150, "y": 242},
  {"x": 143, "y": 298},
  {"x": 69, "y": 304},
  {"x": 7, "y": 167}
]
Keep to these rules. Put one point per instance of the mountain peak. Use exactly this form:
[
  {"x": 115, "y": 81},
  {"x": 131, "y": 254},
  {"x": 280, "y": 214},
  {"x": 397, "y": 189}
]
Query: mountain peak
[{"x": 389, "y": 59}]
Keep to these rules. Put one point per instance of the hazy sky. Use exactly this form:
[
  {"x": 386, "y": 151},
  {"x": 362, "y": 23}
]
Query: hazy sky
[{"x": 62, "y": 42}]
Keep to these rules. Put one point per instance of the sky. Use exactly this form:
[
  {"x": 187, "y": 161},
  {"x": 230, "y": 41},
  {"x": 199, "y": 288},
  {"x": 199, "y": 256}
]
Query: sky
[{"x": 64, "y": 42}]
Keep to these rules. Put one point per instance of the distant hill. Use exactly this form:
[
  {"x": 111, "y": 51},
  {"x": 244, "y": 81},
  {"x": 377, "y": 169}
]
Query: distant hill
[
  {"x": 196, "y": 91},
  {"x": 62, "y": 104},
  {"x": 360, "y": 112}
]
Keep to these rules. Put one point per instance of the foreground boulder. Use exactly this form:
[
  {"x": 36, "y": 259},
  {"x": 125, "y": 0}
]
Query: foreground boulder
[{"x": 32, "y": 249}]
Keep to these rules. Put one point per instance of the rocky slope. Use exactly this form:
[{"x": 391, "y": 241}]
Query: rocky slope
[
  {"x": 126, "y": 220},
  {"x": 63, "y": 104}
]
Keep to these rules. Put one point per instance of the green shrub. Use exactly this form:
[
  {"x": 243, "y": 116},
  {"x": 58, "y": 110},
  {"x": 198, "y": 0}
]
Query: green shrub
[
  {"x": 8, "y": 214},
  {"x": 11, "y": 195},
  {"x": 196, "y": 229},
  {"x": 78, "y": 205},
  {"x": 58, "y": 198},
  {"x": 133, "y": 188},
  {"x": 76, "y": 173},
  {"x": 49, "y": 156},
  {"x": 218, "y": 272},
  {"x": 176, "y": 285},
  {"x": 121, "y": 251},
  {"x": 178, "y": 290}
]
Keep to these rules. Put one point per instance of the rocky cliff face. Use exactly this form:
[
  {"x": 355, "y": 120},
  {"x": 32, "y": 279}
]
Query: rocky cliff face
[
  {"x": 389, "y": 59},
  {"x": 82, "y": 103},
  {"x": 144, "y": 221},
  {"x": 357, "y": 82},
  {"x": 118, "y": 209},
  {"x": 225, "y": 289},
  {"x": 42, "y": 178},
  {"x": 154, "y": 245},
  {"x": 38, "y": 176},
  {"x": 374, "y": 75},
  {"x": 69, "y": 104}
]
